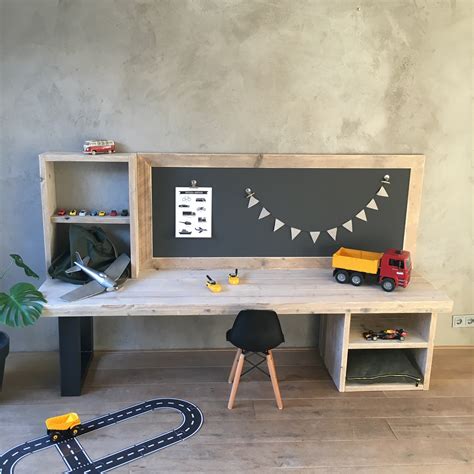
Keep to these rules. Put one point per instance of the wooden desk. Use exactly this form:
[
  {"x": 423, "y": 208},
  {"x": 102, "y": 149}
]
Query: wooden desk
[{"x": 287, "y": 291}]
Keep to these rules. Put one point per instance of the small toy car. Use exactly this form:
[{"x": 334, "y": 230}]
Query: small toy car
[
  {"x": 73, "y": 212},
  {"x": 63, "y": 426},
  {"x": 213, "y": 285},
  {"x": 94, "y": 213},
  {"x": 113, "y": 213},
  {"x": 61, "y": 212},
  {"x": 82, "y": 213},
  {"x": 234, "y": 278},
  {"x": 102, "y": 213},
  {"x": 124, "y": 213},
  {"x": 385, "y": 334},
  {"x": 99, "y": 146}
]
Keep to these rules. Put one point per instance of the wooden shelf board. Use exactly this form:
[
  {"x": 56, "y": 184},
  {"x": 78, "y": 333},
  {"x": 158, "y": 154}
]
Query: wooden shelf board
[
  {"x": 361, "y": 323},
  {"x": 90, "y": 219},
  {"x": 407, "y": 344},
  {"x": 380, "y": 387},
  {"x": 82, "y": 157}
]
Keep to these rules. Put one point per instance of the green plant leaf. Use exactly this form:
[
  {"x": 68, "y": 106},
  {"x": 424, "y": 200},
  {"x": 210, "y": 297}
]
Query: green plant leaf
[
  {"x": 20, "y": 263},
  {"x": 22, "y": 306}
]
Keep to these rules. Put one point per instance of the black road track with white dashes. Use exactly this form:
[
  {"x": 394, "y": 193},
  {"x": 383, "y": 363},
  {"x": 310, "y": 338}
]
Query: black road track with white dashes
[{"x": 76, "y": 458}]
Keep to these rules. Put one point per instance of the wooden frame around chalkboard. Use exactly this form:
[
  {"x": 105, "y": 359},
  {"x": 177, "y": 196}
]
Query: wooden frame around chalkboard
[{"x": 143, "y": 195}]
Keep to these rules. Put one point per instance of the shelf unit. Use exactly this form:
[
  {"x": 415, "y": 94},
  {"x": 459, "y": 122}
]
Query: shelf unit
[
  {"x": 53, "y": 164},
  {"x": 340, "y": 334}
]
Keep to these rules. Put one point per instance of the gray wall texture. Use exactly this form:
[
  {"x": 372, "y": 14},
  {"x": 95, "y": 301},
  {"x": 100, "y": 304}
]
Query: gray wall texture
[{"x": 327, "y": 76}]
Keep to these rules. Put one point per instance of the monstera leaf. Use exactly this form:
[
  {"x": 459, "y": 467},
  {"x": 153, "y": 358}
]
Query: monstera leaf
[
  {"x": 22, "y": 306},
  {"x": 20, "y": 263}
]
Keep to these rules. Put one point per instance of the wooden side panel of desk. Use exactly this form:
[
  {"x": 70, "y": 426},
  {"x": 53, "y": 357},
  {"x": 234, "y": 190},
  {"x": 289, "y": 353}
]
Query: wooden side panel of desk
[{"x": 336, "y": 338}]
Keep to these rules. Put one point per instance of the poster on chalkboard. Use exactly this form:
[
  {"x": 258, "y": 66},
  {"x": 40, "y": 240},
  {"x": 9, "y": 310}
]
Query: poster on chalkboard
[{"x": 193, "y": 215}]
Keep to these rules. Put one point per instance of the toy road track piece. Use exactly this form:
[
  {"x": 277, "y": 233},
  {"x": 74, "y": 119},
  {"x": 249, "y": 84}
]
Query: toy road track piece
[{"x": 79, "y": 462}]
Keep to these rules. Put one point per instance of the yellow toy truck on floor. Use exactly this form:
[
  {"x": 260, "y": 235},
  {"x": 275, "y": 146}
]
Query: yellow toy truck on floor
[
  {"x": 63, "y": 426},
  {"x": 392, "y": 268}
]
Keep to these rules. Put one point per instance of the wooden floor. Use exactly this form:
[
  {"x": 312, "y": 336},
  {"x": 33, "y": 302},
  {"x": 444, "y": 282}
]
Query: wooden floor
[{"x": 320, "y": 430}]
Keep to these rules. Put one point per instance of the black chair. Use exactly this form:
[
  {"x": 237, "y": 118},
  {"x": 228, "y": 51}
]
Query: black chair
[{"x": 254, "y": 332}]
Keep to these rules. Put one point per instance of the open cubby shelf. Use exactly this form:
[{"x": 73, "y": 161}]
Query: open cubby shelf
[
  {"x": 415, "y": 358},
  {"x": 415, "y": 325},
  {"x": 342, "y": 334},
  {"x": 75, "y": 181}
]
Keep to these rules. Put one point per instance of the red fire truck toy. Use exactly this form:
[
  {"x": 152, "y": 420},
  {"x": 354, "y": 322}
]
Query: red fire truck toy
[{"x": 392, "y": 268}]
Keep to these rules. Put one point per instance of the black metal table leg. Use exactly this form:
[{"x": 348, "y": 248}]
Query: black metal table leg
[{"x": 76, "y": 349}]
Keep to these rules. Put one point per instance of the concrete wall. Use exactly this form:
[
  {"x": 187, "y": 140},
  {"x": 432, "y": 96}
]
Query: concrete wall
[{"x": 326, "y": 76}]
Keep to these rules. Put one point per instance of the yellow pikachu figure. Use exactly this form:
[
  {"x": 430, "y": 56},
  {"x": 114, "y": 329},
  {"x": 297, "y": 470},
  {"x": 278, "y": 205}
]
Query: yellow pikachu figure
[
  {"x": 213, "y": 285},
  {"x": 233, "y": 278}
]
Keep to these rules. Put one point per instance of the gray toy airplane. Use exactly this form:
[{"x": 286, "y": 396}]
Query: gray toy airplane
[{"x": 100, "y": 281}]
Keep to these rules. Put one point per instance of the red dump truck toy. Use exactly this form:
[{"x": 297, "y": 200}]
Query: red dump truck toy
[{"x": 392, "y": 268}]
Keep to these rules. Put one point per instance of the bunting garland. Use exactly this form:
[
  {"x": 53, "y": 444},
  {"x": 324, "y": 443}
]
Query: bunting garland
[{"x": 315, "y": 234}]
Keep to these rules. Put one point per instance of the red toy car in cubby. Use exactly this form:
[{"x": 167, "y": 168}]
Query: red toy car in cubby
[{"x": 398, "y": 334}]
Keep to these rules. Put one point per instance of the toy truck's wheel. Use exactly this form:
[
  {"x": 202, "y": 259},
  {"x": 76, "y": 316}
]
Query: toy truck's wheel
[
  {"x": 402, "y": 338},
  {"x": 94, "y": 152},
  {"x": 75, "y": 431},
  {"x": 388, "y": 284},
  {"x": 357, "y": 278},
  {"x": 341, "y": 276},
  {"x": 55, "y": 437}
]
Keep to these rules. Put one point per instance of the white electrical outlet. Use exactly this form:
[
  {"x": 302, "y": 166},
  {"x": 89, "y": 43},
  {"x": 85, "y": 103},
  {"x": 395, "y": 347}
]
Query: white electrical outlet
[
  {"x": 459, "y": 321},
  {"x": 469, "y": 320}
]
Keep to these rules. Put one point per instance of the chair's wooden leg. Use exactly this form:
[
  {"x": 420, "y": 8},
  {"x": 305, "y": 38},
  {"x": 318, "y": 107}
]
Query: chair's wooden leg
[
  {"x": 235, "y": 385},
  {"x": 234, "y": 365},
  {"x": 273, "y": 377}
]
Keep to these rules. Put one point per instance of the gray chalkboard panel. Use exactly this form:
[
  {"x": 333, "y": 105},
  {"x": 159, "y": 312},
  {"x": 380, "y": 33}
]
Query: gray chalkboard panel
[{"x": 309, "y": 199}]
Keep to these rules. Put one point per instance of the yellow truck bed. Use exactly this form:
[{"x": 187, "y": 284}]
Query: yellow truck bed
[
  {"x": 357, "y": 260},
  {"x": 63, "y": 422}
]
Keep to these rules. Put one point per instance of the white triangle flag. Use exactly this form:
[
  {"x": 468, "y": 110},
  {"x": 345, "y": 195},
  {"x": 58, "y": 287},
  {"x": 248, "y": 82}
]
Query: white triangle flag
[
  {"x": 278, "y": 225},
  {"x": 362, "y": 216},
  {"x": 348, "y": 225},
  {"x": 263, "y": 213},
  {"x": 252, "y": 201},
  {"x": 372, "y": 205},
  {"x": 314, "y": 236},
  {"x": 294, "y": 233},
  {"x": 382, "y": 192},
  {"x": 333, "y": 233}
]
